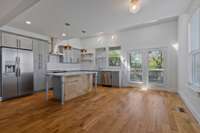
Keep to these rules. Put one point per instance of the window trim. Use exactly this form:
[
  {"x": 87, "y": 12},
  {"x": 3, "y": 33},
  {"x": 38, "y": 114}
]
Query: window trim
[{"x": 192, "y": 53}]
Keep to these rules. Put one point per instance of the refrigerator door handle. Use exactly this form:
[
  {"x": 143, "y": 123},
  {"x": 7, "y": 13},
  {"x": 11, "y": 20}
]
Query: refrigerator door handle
[
  {"x": 16, "y": 66},
  {"x": 39, "y": 61},
  {"x": 19, "y": 72}
]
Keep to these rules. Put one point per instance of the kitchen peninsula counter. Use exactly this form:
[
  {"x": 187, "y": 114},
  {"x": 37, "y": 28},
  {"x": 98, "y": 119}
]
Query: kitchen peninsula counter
[{"x": 68, "y": 85}]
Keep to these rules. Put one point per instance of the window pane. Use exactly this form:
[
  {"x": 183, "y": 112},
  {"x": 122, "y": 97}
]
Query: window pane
[
  {"x": 156, "y": 59},
  {"x": 155, "y": 66},
  {"x": 136, "y": 75},
  {"x": 156, "y": 76},
  {"x": 114, "y": 56},
  {"x": 136, "y": 59},
  {"x": 136, "y": 66},
  {"x": 194, "y": 32},
  {"x": 196, "y": 69}
]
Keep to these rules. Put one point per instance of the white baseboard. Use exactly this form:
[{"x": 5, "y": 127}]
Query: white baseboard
[
  {"x": 1, "y": 99},
  {"x": 190, "y": 106}
]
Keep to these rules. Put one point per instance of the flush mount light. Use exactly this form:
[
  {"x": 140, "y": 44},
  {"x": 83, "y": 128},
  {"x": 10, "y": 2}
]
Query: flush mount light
[
  {"x": 63, "y": 34},
  {"x": 83, "y": 31},
  {"x": 28, "y": 22},
  {"x": 67, "y": 24},
  {"x": 134, "y": 6}
]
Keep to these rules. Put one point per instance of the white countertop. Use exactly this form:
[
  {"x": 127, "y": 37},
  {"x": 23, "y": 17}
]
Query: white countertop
[{"x": 70, "y": 73}]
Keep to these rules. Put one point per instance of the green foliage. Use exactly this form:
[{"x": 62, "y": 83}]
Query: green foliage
[
  {"x": 155, "y": 60},
  {"x": 136, "y": 60},
  {"x": 114, "y": 58}
]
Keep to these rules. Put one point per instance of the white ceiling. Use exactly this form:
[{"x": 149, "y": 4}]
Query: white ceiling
[
  {"x": 9, "y": 9},
  {"x": 48, "y": 16}
]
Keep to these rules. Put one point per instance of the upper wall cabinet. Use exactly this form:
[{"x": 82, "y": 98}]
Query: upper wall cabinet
[
  {"x": 15, "y": 41},
  {"x": 9, "y": 40},
  {"x": 25, "y": 43}
]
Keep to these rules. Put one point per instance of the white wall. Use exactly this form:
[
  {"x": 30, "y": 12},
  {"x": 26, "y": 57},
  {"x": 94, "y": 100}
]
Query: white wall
[
  {"x": 153, "y": 36},
  {"x": 191, "y": 98}
]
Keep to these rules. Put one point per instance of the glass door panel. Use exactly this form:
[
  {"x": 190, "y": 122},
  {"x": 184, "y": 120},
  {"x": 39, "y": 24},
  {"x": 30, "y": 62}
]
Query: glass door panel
[
  {"x": 156, "y": 66},
  {"x": 136, "y": 66}
]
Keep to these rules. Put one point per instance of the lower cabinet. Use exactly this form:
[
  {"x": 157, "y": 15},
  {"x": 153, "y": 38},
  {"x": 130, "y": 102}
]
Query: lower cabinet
[{"x": 109, "y": 78}]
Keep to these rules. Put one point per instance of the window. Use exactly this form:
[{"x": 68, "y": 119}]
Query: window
[
  {"x": 194, "y": 28},
  {"x": 114, "y": 56},
  {"x": 196, "y": 69},
  {"x": 194, "y": 51},
  {"x": 136, "y": 66},
  {"x": 156, "y": 66}
]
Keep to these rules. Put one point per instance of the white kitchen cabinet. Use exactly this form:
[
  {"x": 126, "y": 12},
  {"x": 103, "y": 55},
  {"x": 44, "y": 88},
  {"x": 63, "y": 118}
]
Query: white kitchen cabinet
[
  {"x": 9, "y": 40},
  {"x": 25, "y": 43},
  {"x": 16, "y": 41},
  {"x": 40, "y": 55}
]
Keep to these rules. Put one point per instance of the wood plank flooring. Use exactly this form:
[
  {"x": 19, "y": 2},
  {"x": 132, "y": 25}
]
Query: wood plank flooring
[{"x": 107, "y": 111}]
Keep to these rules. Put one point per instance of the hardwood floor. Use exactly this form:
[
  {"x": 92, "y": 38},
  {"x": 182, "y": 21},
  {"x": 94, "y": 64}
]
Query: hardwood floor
[{"x": 107, "y": 111}]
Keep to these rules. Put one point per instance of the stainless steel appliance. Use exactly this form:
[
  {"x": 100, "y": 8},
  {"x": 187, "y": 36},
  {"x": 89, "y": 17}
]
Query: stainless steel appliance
[{"x": 16, "y": 72}]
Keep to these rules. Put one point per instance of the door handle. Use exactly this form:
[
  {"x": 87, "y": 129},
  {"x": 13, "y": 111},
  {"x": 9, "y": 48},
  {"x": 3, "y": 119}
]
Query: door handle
[
  {"x": 16, "y": 66},
  {"x": 39, "y": 62},
  {"x": 16, "y": 72},
  {"x": 19, "y": 72}
]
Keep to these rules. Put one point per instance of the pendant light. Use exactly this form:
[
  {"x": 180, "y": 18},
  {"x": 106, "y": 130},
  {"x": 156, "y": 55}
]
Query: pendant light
[{"x": 67, "y": 46}]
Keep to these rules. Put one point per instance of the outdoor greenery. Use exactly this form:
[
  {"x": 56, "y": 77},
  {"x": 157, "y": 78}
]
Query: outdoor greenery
[
  {"x": 155, "y": 59},
  {"x": 136, "y": 60},
  {"x": 114, "y": 57}
]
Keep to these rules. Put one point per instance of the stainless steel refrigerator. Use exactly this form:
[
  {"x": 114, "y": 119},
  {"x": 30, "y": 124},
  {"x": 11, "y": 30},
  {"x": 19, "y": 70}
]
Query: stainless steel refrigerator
[{"x": 16, "y": 72}]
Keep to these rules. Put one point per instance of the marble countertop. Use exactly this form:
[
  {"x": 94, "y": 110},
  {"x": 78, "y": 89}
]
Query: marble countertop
[{"x": 70, "y": 73}]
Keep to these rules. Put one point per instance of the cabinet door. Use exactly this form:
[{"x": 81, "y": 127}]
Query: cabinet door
[
  {"x": 25, "y": 43},
  {"x": 0, "y": 38},
  {"x": 40, "y": 50},
  {"x": 43, "y": 50},
  {"x": 115, "y": 79},
  {"x": 9, "y": 40}
]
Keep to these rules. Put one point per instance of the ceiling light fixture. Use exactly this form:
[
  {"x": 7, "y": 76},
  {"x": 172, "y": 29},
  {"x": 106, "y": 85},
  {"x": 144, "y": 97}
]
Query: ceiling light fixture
[
  {"x": 28, "y": 22},
  {"x": 134, "y": 6},
  {"x": 83, "y": 31},
  {"x": 63, "y": 34}
]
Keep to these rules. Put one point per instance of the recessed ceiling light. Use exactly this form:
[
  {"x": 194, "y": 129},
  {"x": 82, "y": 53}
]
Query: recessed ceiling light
[
  {"x": 28, "y": 22},
  {"x": 83, "y": 31},
  {"x": 67, "y": 24},
  {"x": 63, "y": 34},
  {"x": 100, "y": 33}
]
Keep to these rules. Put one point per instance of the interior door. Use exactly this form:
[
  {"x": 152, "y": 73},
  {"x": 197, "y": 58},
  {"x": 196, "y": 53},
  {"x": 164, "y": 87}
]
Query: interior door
[
  {"x": 26, "y": 72},
  {"x": 9, "y": 77}
]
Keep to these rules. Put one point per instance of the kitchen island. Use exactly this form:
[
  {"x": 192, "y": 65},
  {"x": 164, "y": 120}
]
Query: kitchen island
[{"x": 68, "y": 85}]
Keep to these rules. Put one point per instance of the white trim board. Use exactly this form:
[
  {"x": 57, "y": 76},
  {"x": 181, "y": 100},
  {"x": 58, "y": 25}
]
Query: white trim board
[{"x": 190, "y": 106}]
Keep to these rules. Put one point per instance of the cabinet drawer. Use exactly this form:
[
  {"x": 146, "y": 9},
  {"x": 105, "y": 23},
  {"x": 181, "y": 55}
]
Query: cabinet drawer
[{"x": 72, "y": 79}]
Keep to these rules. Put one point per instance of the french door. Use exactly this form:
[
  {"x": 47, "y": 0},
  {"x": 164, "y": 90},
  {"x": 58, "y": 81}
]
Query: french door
[
  {"x": 148, "y": 66},
  {"x": 136, "y": 66}
]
